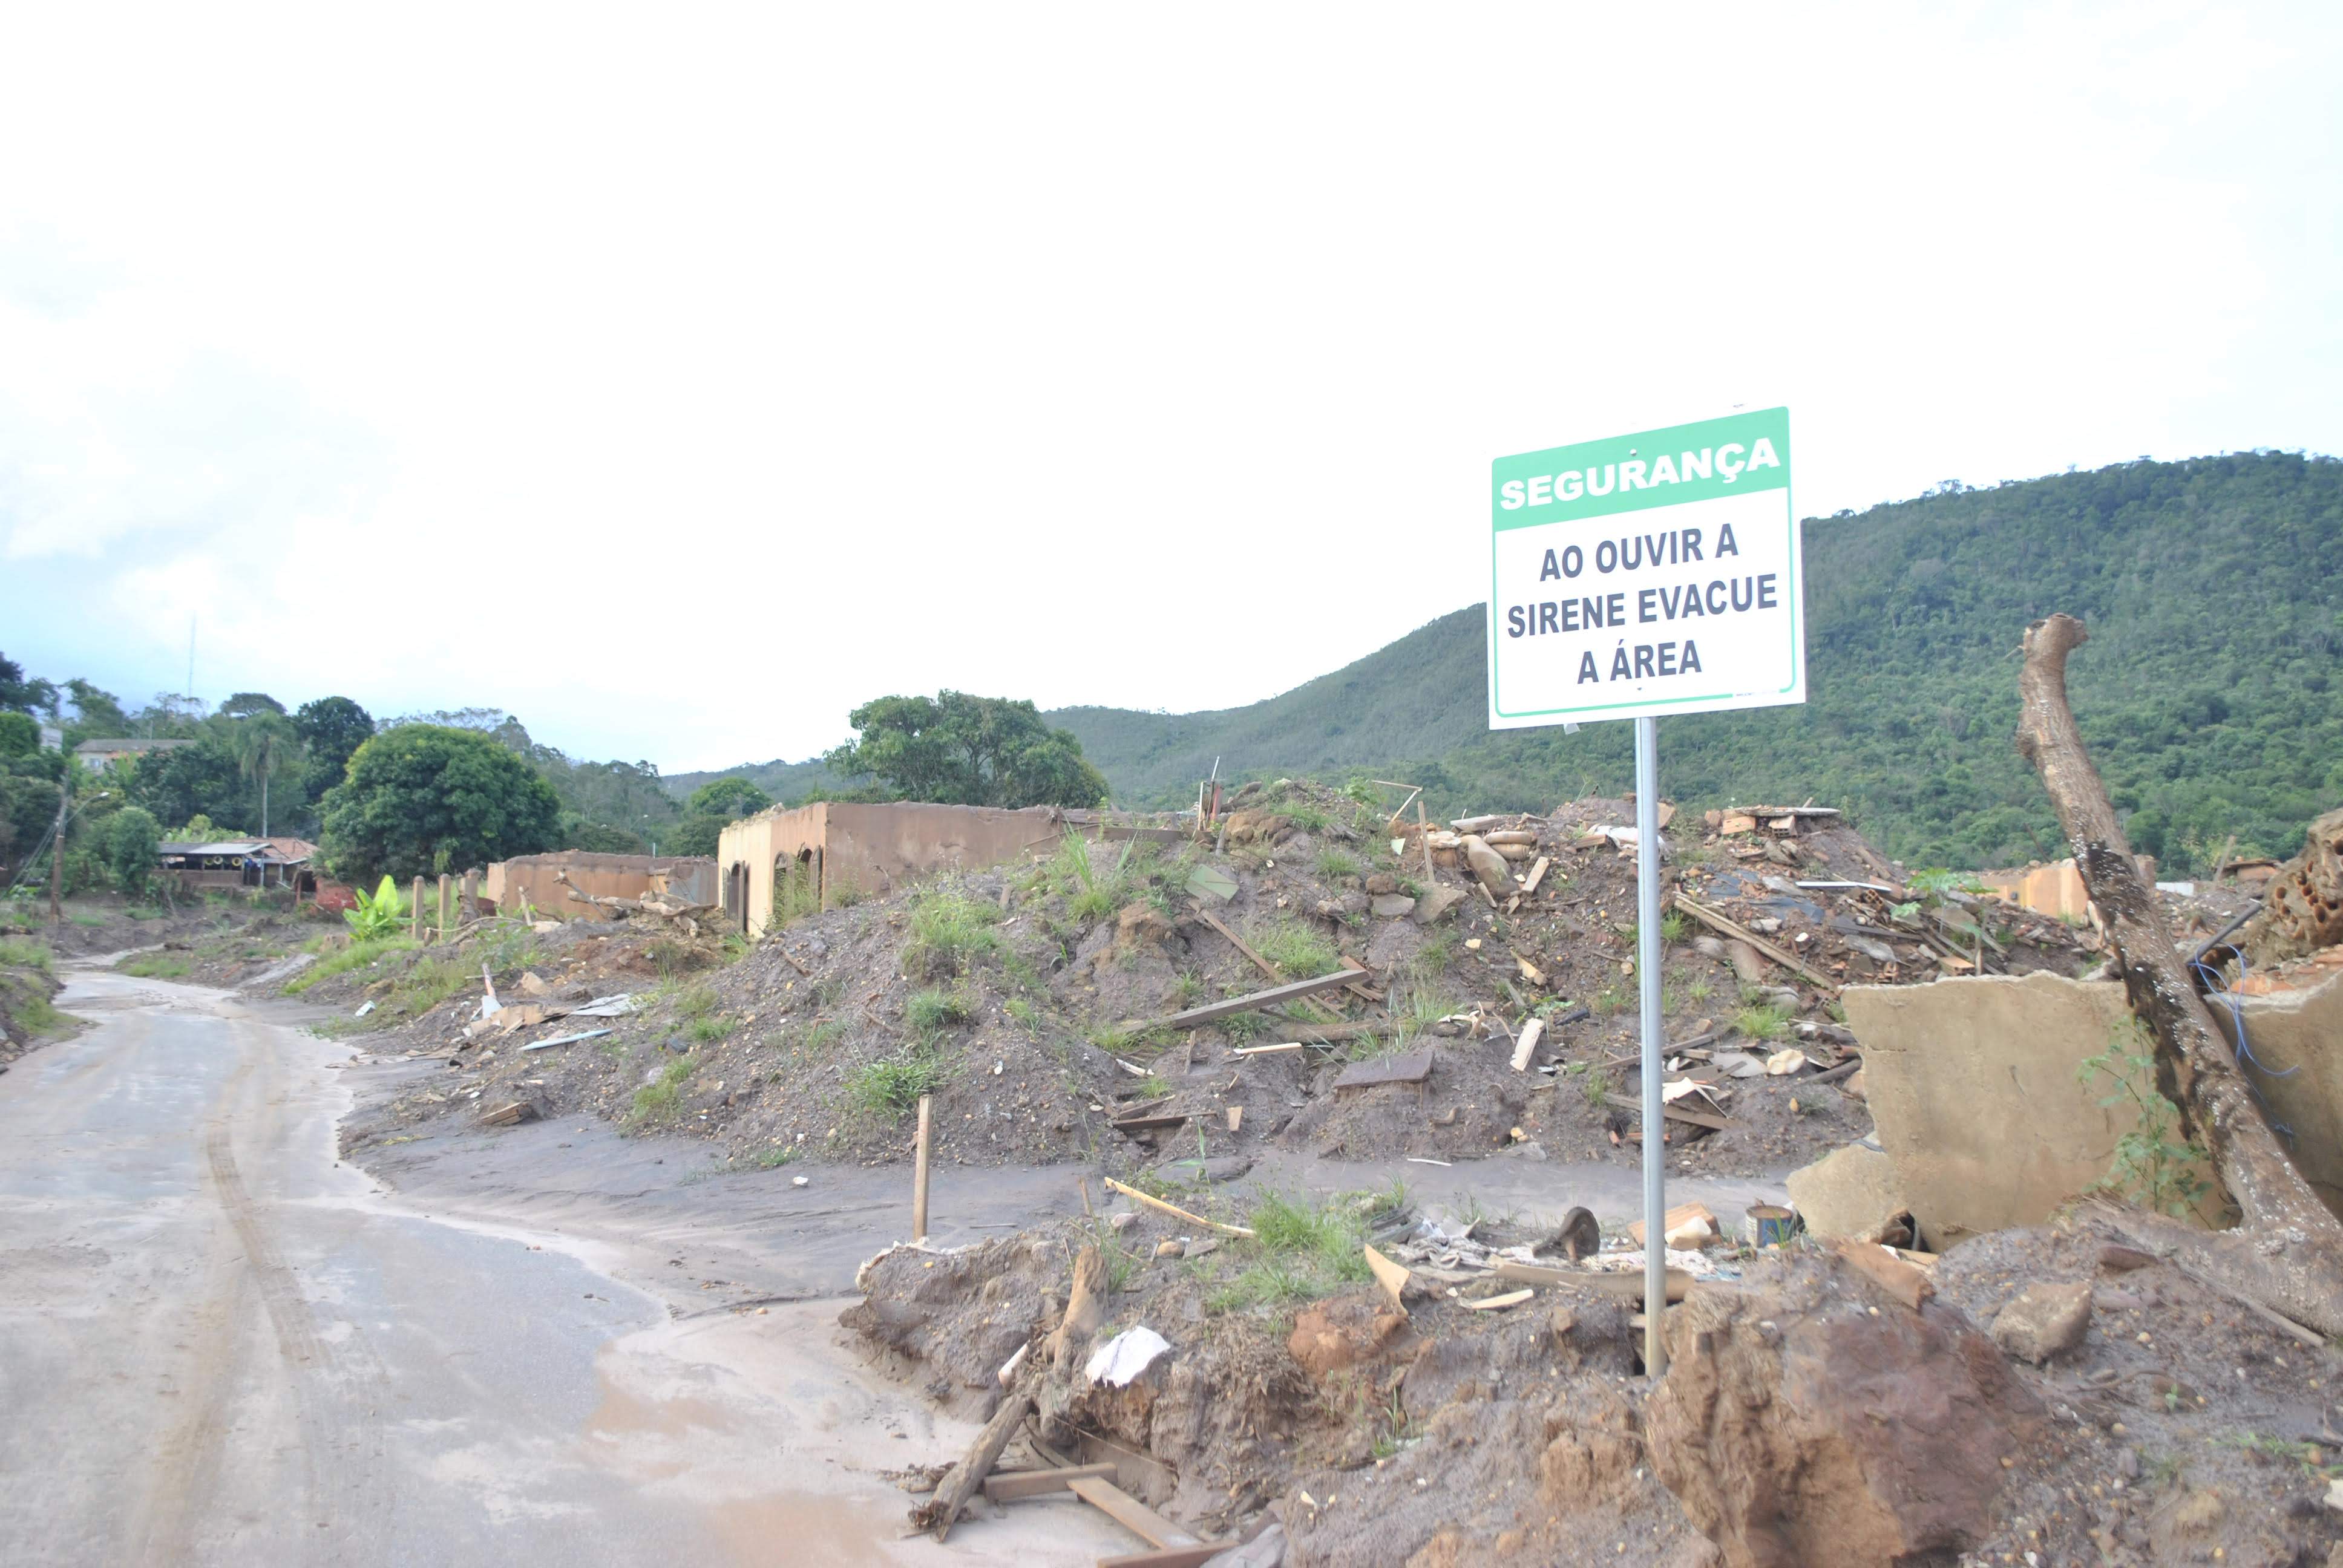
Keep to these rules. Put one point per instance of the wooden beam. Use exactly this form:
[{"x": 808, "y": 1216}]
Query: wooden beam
[
  {"x": 1628, "y": 1286},
  {"x": 953, "y": 1492},
  {"x": 1214, "y": 1010},
  {"x": 1131, "y": 1515},
  {"x": 1716, "y": 921},
  {"x": 1016, "y": 1485}
]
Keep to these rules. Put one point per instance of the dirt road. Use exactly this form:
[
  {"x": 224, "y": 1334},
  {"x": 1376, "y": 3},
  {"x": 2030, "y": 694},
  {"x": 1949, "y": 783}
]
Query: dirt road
[{"x": 219, "y": 1345}]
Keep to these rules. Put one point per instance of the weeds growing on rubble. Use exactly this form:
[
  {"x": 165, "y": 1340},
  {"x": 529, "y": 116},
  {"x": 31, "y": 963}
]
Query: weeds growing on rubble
[
  {"x": 1299, "y": 950},
  {"x": 1766, "y": 1022},
  {"x": 660, "y": 1096},
  {"x": 2150, "y": 1166},
  {"x": 1300, "y": 1250},
  {"x": 891, "y": 1086},
  {"x": 155, "y": 966},
  {"x": 1333, "y": 864},
  {"x": 949, "y": 930},
  {"x": 356, "y": 956}
]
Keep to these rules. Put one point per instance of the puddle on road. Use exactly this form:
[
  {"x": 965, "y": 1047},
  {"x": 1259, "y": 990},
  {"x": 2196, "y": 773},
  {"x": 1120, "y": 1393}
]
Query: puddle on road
[{"x": 785, "y": 1528}]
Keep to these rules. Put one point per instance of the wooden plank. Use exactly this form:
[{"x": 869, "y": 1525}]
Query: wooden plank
[
  {"x": 1150, "y": 1123},
  {"x": 1889, "y": 1272},
  {"x": 1014, "y": 1486},
  {"x": 1413, "y": 1067},
  {"x": 1131, "y": 1515},
  {"x": 1527, "y": 1044},
  {"x": 1160, "y": 1206},
  {"x": 1391, "y": 1276},
  {"x": 1211, "y": 1011},
  {"x": 1537, "y": 875},
  {"x": 1710, "y": 918},
  {"x": 1499, "y": 1303},
  {"x": 953, "y": 1492},
  {"x": 1267, "y": 1050},
  {"x": 1194, "y": 1556},
  {"x": 1630, "y": 1286}
]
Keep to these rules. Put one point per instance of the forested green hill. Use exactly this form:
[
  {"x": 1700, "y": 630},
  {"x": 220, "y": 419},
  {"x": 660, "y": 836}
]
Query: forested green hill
[{"x": 2209, "y": 691}]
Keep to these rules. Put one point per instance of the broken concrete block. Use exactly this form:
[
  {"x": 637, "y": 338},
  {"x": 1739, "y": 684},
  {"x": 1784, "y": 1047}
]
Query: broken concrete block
[
  {"x": 2293, "y": 1035},
  {"x": 2043, "y": 1321},
  {"x": 1972, "y": 1086},
  {"x": 1391, "y": 905},
  {"x": 1436, "y": 904},
  {"x": 1489, "y": 866},
  {"x": 1850, "y": 1191}
]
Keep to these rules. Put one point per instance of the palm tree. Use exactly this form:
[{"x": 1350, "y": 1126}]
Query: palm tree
[{"x": 265, "y": 743}]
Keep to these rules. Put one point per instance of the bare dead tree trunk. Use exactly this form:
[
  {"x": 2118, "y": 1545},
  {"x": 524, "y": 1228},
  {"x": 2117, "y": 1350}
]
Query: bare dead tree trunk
[{"x": 2297, "y": 1258}]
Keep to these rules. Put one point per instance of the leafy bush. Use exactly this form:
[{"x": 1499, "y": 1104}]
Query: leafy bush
[{"x": 375, "y": 916}]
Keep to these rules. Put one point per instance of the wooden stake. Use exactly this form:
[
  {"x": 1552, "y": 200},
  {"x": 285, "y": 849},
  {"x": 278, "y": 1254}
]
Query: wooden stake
[
  {"x": 920, "y": 1185},
  {"x": 447, "y": 900},
  {"x": 415, "y": 915}
]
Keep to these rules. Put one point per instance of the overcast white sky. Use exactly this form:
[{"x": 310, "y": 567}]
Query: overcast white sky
[{"x": 677, "y": 379}]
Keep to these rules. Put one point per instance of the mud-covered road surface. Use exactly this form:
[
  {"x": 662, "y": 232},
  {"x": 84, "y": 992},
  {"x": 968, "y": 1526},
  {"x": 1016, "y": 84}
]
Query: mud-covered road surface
[{"x": 220, "y": 1344}]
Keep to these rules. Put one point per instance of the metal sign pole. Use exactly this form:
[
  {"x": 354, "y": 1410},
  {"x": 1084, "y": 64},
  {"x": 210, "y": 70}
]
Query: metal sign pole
[{"x": 1647, "y": 977}]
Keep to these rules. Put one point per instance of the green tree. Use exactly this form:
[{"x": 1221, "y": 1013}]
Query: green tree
[
  {"x": 133, "y": 840},
  {"x": 98, "y": 714},
  {"x": 20, "y": 736},
  {"x": 423, "y": 798},
  {"x": 731, "y": 798},
  {"x": 330, "y": 728},
  {"x": 964, "y": 750},
  {"x": 18, "y": 695},
  {"x": 202, "y": 778},
  {"x": 265, "y": 744},
  {"x": 245, "y": 704}
]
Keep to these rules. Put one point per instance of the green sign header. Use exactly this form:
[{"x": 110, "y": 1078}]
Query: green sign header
[{"x": 1728, "y": 456}]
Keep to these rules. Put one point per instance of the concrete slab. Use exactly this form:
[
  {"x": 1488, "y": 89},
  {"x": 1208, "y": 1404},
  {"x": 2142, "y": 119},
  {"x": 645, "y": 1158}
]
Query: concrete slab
[{"x": 2294, "y": 1035}]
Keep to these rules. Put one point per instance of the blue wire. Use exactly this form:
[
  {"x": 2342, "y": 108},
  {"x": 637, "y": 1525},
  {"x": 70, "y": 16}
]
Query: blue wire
[{"x": 2219, "y": 987}]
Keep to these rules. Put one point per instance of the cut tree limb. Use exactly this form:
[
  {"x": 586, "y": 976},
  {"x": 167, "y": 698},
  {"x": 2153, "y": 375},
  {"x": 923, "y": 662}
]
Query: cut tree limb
[
  {"x": 1717, "y": 922},
  {"x": 2296, "y": 1265},
  {"x": 963, "y": 1479},
  {"x": 1210, "y": 1011},
  {"x": 1178, "y": 1213}
]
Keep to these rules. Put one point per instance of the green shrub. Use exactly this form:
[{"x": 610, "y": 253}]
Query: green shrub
[
  {"x": 709, "y": 1029},
  {"x": 24, "y": 953}
]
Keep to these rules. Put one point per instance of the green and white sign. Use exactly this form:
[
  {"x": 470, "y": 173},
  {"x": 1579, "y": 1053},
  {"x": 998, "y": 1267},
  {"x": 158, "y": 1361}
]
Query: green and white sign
[{"x": 1647, "y": 574}]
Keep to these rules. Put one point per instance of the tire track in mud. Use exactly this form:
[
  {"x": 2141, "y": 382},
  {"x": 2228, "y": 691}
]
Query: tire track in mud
[{"x": 344, "y": 1479}]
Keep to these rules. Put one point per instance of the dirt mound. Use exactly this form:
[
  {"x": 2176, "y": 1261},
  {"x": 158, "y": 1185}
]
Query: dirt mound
[
  {"x": 27, "y": 1018},
  {"x": 1029, "y": 999}
]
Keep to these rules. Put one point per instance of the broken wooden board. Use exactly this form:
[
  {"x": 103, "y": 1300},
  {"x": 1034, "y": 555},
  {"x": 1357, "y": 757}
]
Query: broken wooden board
[
  {"x": 1173, "y": 1210},
  {"x": 1889, "y": 1272},
  {"x": 1537, "y": 875},
  {"x": 1266, "y": 1049},
  {"x": 1626, "y": 1286},
  {"x": 1194, "y": 1556},
  {"x": 1677, "y": 1221},
  {"x": 509, "y": 1115},
  {"x": 1413, "y": 1067},
  {"x": 1499, "y": 1303},
  {"x": 1391, "y": 1276},
  {"x": 1710, "y": 918},
  {"x": 1195, "y": 1017},
  {"x": 1527, "y": 1045},
  {"x": 1131, "y": 1513},
  {"x": 1149, "y": 1121},
  {"x": 1015, "y": 1485}
]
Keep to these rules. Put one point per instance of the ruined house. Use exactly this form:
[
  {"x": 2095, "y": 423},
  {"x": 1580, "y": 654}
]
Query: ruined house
[
  {"x": 810, "y": 856},
  {"x": 536, "y": 880}
]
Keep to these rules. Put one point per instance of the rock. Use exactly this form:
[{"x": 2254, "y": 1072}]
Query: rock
[
  {"x": 2121, "y": 1259},
  {"x": 1850, "y": 1191},
  {"x": 1381, "y": 883},
  {"x": 1170, "y": 1249},
  {"x": 1436, "y": 904},
  {"x": 1257, "y": 827},
  {"x": 1141, "y": 926},
  {"x": 2044, "y": 1320},
  {"x": 1393, "y": 907},
  {"x": 1393, "y": 943},
  {"x": 1797, "y": 1432},
  {"x": 1488, "y": 864},
  {"x": 1344, "y": 1330}
]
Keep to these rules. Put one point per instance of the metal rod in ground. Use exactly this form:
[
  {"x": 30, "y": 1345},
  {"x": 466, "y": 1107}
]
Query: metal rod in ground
[
  {"x": 919, "y": 1176},
  {"x": 1647, "y": 977}
]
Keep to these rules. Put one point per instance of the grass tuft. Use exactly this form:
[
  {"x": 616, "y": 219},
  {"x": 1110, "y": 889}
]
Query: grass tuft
[
  {"x": 154, "y": 966},
  {"x": 891, "y": 1086}
]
